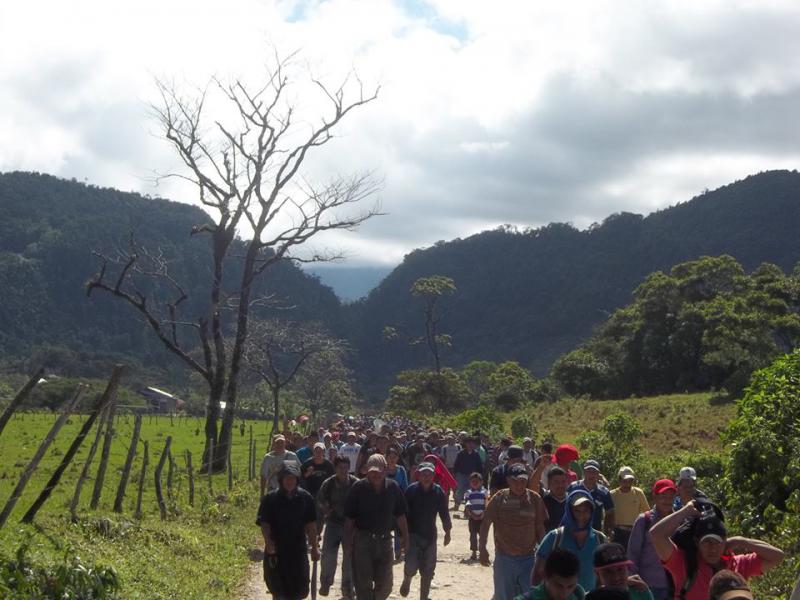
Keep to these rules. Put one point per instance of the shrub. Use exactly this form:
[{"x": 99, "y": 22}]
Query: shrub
[{"x": 522, "y": 427}]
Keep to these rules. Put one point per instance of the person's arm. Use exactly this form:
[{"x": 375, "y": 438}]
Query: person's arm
[
  {"x": 269, "y": 545},
  {"x": 541, "y": 515},
  {"x": 444, "y": 515},
  {"x": 660, "y": 532},
  {"x": 770, "y": 555},
  {"x": 349, "y": 533},
  {"x": 313, "y": 539},
  {"x": 635, "y": 544},
  {"x": 609, "y": 522},
  {"x": 545, "y": 547},
  {"x": 489, "y": 515},
  {"x": 402, "y": 525},
  {"x": 535, "y": 480}
]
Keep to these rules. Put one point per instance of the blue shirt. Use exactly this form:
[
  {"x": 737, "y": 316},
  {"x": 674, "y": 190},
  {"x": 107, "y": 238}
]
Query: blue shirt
[
  {"x": 303, "y": 454},
  {"x": 585, "y": 555},
  {"x": 602, "y": 501}
]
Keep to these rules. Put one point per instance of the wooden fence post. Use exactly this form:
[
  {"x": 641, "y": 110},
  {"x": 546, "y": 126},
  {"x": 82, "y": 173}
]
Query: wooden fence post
[
  {"x": 210, "y": 466},
  {"x": 170, "y": 474},
  {"x": 73, "y": 449},
  {"x": 250, "y": 451},
  {"x": 162, "y": 507},
  {"x": 145, "y": 460},
  {"x": 87, "y": 465},
  {"x": 230, "y": 468},
  {"x": 126, "y": 470},
  {"x": 190, "y": 471},
  {"x": 21, "y": 395},
  {"x": 99, "y": 479},
  {"x": 37, "y": 458}
]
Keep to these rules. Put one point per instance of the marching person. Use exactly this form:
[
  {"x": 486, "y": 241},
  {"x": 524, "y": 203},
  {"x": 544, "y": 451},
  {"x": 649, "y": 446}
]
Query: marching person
[
  {"x": 629, "y": 503},
  {"x": 331, "y": 499},
  {"x": 288, "y": 520},
  {"x": 273, "y": 462},
  {"x": 604, "y": 518},
  {"x": 370, "y": 509},
  {"x": 517, "y": 515},
  {"x": 425, "y": 500},
  {"x": 611, "y": 567}
]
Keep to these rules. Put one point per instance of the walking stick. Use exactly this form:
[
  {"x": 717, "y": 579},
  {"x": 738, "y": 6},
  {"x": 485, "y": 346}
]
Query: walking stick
[{"x": 314, "y": 579}]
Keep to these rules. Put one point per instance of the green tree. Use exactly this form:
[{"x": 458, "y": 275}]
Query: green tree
[
  {"x": 475, "y": 376},
  {"x": 425, "y": 392},
  {"x": 615, "y": 444},
  {"x": 511, "y": 385}
]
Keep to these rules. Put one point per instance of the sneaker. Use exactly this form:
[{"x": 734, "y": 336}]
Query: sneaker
[
  {"x": 405, "y": 587},
  {"x": 324, "y": 590}
]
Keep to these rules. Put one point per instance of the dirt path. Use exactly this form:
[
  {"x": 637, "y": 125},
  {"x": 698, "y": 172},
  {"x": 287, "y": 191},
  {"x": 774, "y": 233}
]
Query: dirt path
[{"x": 456, "y": 578}]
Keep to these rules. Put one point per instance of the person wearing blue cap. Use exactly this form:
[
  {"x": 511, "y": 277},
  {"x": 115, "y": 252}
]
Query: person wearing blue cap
[{"x": 575, "y": 534}]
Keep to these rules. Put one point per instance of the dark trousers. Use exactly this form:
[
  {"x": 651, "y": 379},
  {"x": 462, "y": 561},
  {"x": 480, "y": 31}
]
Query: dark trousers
[
  {"x": 331, "y": 540},
  {"x": 474, "y": 530},
  {"x": 372, "y": 565},
  {"x": 621, "y": 536},
  {"x": 421, "y": 557}
]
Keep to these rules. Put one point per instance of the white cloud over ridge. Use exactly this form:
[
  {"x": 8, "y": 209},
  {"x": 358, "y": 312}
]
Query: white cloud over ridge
[{"x": 515, "y": 112}]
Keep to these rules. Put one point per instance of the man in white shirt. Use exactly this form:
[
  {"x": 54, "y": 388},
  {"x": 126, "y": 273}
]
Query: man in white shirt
[
  {"x": 273, "y": 462},
  {"x": 350, "y": 450}
]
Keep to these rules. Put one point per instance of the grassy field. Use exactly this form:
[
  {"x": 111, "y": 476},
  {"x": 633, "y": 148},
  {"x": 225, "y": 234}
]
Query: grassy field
[
  {"x": 669, "y": 423},
  {"x": 199, "y": 552}
]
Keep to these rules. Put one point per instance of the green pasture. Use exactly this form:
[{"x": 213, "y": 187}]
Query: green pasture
[{"x": 199, "y": 552}]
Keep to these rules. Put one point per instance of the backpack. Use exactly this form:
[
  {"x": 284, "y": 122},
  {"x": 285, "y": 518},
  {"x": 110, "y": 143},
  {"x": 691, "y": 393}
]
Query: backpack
[
  {"x": 683, "y": 538},
  {"x": 601, "y": 537}
]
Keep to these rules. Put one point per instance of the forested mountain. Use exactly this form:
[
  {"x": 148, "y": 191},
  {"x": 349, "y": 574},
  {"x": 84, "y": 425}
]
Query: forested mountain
[
  {"x": 533, "y": 295},
  {"x": 528, "y": 296},
  {"x": 48, "y": 231}
]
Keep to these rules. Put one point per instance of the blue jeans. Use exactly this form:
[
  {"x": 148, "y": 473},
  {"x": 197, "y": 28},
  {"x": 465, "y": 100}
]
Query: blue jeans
[
  {"x": 463, "y": 485},
  {"x": 512, "y": 575}
]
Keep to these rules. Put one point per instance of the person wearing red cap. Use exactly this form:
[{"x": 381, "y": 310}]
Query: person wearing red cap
[
  {"x": 711, "y": 551},
  {"x": 611, "y": 568},
  {"x": 641, "y": 552}
]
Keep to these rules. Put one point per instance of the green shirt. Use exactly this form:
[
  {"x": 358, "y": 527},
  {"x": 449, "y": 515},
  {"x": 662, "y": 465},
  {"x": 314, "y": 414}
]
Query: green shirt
[
  {"x": 633, "y": 594},
  {"x": 540, "y": 593}
]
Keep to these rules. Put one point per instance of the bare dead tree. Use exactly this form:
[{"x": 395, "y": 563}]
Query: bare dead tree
[
  {"x": 277, "y": 350},
  {"x": 246, "y": 171}
]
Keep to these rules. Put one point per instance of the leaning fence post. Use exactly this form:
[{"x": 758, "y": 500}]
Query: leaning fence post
[
  {"x": 145, "y": 460},
  {"x": 162, "y": 507},
  {"x": 109, "y": 437},
  {"x": 126, "y": 470},
  {"x": 230, "y": 468},
  {"x": 170, "y": 473},
  {"x": 250, "y": 451},
  {"x": 73, "y": 449},
  {"x": 21, "y": 395},
  {"x": 87, "y": 465},
  {"x": 34, "y": 463},
  {"x": 210, "y": 465},
  {"x": 190, "y": 471}
]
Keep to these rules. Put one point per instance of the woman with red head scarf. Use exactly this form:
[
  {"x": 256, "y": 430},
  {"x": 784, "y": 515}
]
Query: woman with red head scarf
[{"x": 564, "y": 455}]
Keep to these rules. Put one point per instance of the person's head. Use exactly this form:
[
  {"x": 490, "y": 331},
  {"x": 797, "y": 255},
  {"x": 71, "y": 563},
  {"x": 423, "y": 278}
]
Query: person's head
[
  {"x": 527, "y": 443},
  {"x": 288, "y": 477},
  {"x": 341, "y": 464},
  {"x": 471, "y": 443},
  {"x": 392, "y": 456},
  {"x": 546, "y": 448},
  {"x": 318, "y": 452},
  {"x": 664, "y": 491},
  {"x": 278, "y": 443},
  {"x": 591, "y": 473},
  {"x": 376, "y": 470},
  {"x": 382, "y": 443},
  {"x": 557, "y": 482},
  {"x": 710, "y": 536},
  {"x": 506, "y": 443},
  {"x": 580, "y": 510},
  {"x": 561, "y": 569},
  {"x": 626, "y": 478},
  {"x": 517, "y": 479},
  {"x": 312, "y": 439},
  {"x": 351, "y": 437},
  {"x": 476, "y": 481},
  {"x": 687, "y": 483},
  {"x": 727, "y": 585},
  {"x": 611, "y": 566},
  {"x": 514, "y": 455},
  {"x": 425, "y": 473}
]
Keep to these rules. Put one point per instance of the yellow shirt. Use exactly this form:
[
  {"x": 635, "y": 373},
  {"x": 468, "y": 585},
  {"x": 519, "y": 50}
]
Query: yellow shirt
[{"x": 628, "y": 505}]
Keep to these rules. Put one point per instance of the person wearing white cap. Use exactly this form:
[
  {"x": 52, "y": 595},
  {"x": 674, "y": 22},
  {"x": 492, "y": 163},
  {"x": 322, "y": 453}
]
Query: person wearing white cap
[
  {"x": 629, "y": 503},
  {"x": 711, "y": 550},
  {"x": 273, "y": 462},
  {"x": 687, "y": 488}
]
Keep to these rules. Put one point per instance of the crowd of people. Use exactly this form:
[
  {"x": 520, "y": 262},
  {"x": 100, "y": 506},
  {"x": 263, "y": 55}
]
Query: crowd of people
[{"x": 374, "y": 493}]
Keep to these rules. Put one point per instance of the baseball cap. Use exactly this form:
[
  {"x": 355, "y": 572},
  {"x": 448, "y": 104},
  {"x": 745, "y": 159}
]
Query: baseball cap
[
  {"x": 319, "y": 445},
  {"x": 278, "y": 438},
  {"x": 626, "y": 473},
  {"x": 591, "y": 464},
  {"x": 517, "y": 472},
  {"x": 710, "y": 527},
  {"x": 582, "y": 499},
  {"x": 664, "y": 485},
  {"x": 376, "y": 462},
  {"x": 687, "y": 473},
  {"x": 514, "y": 452},
  {"x": 527, "y": 439},
  {"x": 726, "y": 585},
  {"x": 610, "y": 555},
  {"x": 426, "y": 466}
]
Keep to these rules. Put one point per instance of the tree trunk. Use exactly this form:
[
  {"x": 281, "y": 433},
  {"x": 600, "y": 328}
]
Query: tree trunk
[
  {"x": 275, "y": 407},
  {"x": 212, "y": 416}
]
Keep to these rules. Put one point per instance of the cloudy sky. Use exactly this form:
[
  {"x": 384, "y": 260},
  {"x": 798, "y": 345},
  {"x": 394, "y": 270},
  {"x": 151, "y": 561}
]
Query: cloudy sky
[{"x": 518, "y": 112}]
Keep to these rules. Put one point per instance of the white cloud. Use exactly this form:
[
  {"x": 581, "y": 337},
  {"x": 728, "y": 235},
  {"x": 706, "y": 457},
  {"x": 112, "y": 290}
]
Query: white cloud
[{"x": 521, "y": 112}]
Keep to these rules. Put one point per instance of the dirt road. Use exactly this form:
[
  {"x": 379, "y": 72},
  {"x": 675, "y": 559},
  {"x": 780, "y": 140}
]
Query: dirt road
[{"x": 456, "y": 577}]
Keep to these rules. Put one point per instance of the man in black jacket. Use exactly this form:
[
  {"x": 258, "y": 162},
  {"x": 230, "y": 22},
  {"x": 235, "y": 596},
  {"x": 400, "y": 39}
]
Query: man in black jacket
[{"x": 468, "y": 461}]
